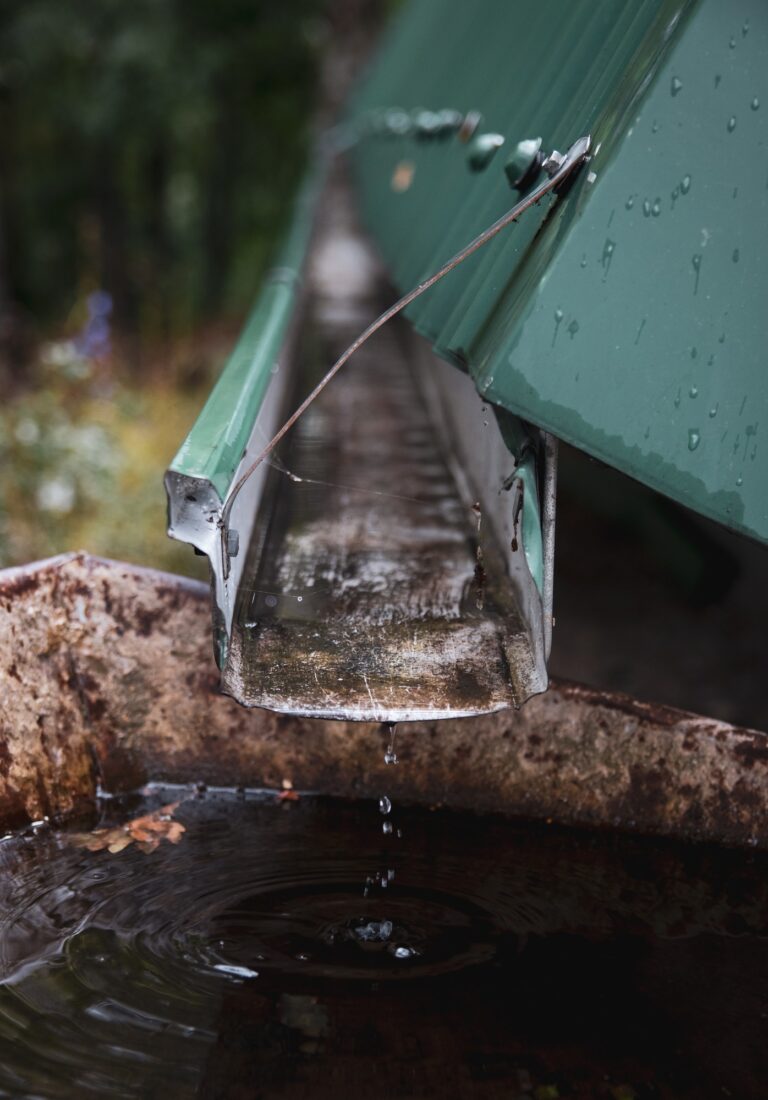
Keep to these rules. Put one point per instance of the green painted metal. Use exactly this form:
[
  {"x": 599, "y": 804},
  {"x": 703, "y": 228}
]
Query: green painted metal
[
  {"x": 215, "y": 445},
  {"x": 626, "y": 317}
]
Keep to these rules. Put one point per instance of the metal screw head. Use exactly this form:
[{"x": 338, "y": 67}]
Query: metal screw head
[
  {"x": 482, "y": 149},
  {"x": 426, "y": 124},
  {"x": 523, "y": 163},
  {"x": 553, "y": 163},
  {"x": 450, "y": 121},
  {"x": 398, "y": 122},
  {"x": 233, "y": 542},
  {"x": 468, "y": 127}
]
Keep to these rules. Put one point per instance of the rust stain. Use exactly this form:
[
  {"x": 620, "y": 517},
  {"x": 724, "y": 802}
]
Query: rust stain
[{"x": 115, "y": 704}]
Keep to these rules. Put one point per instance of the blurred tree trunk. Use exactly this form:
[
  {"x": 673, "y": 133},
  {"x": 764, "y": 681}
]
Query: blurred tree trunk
[
  {"x": 219, "y": 191},
  {"x": 12, "y": 342},
  {"x": 115, "y": 260},
  {"x": 156, "y": 173}
]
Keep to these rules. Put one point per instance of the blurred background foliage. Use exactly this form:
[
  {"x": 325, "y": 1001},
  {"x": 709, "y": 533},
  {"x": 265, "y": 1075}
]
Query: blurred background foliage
[
  {"x": 148, "y": 156},
  {"x": 149, "y": 145}
]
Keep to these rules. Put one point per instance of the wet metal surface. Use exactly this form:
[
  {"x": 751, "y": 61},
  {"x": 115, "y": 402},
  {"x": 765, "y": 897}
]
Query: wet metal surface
[
  {"x": 106, "y": 677},
  {"x": 372, "y": 590}
]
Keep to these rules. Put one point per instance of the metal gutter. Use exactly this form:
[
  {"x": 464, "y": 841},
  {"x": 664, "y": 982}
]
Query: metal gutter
[{"x": 240, "y": 415}]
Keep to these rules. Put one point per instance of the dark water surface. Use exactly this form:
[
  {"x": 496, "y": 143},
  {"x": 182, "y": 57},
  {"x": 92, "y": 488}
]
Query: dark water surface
[{"x": 294, "y": 949}]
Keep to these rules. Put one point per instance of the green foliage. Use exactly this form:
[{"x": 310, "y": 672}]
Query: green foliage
[
  {"x": 149, "y": 148},
  {"x": 87, "y": 447}
]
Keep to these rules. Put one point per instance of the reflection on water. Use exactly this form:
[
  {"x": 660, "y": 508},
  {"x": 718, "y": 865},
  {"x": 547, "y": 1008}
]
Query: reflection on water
[{"x": 498, "y": 960}]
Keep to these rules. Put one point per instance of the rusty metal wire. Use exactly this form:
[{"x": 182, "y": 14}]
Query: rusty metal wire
[{"x": 573, "y": 159}]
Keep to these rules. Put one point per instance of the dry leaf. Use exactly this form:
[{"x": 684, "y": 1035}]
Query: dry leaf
[
  {"x": 288, "y": 796},
  {"x": 146, "y": 832}
]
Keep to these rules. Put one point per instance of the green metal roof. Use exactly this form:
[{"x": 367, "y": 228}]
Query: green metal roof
[{"x": 626, "y": 317}]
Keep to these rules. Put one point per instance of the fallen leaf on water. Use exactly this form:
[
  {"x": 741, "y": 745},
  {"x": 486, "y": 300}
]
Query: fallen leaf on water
[
  {"x": 288, "y": 796},
  {"x": 146, "y": 832}
]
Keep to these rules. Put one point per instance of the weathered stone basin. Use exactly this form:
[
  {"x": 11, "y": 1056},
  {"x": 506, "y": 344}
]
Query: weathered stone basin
[{"x": 107, "y": 680}]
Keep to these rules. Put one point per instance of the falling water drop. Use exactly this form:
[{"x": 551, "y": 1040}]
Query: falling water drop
[
  {"x": 558, "y": 318},
  {"x": 402, "y": 952},
  {"x": 390, "y": 756},
  {"x": 385, "y": 804},
  {"x": 386, "y": 827},
  {"x": 694, "y": 438}
]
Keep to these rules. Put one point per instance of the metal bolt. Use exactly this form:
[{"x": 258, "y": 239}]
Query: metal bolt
[
  {"x": 450, "y": 120},
  {"x": 524, "y": 163},
  {"x": 553, "y": 163},
  {"x": 482, "y": 149},
  {"x": 468, "y": 127},
  {"x": 426, "y": 124},
  {"x": 398, "y": 122},
  {"x": 233, "y": 542}
]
